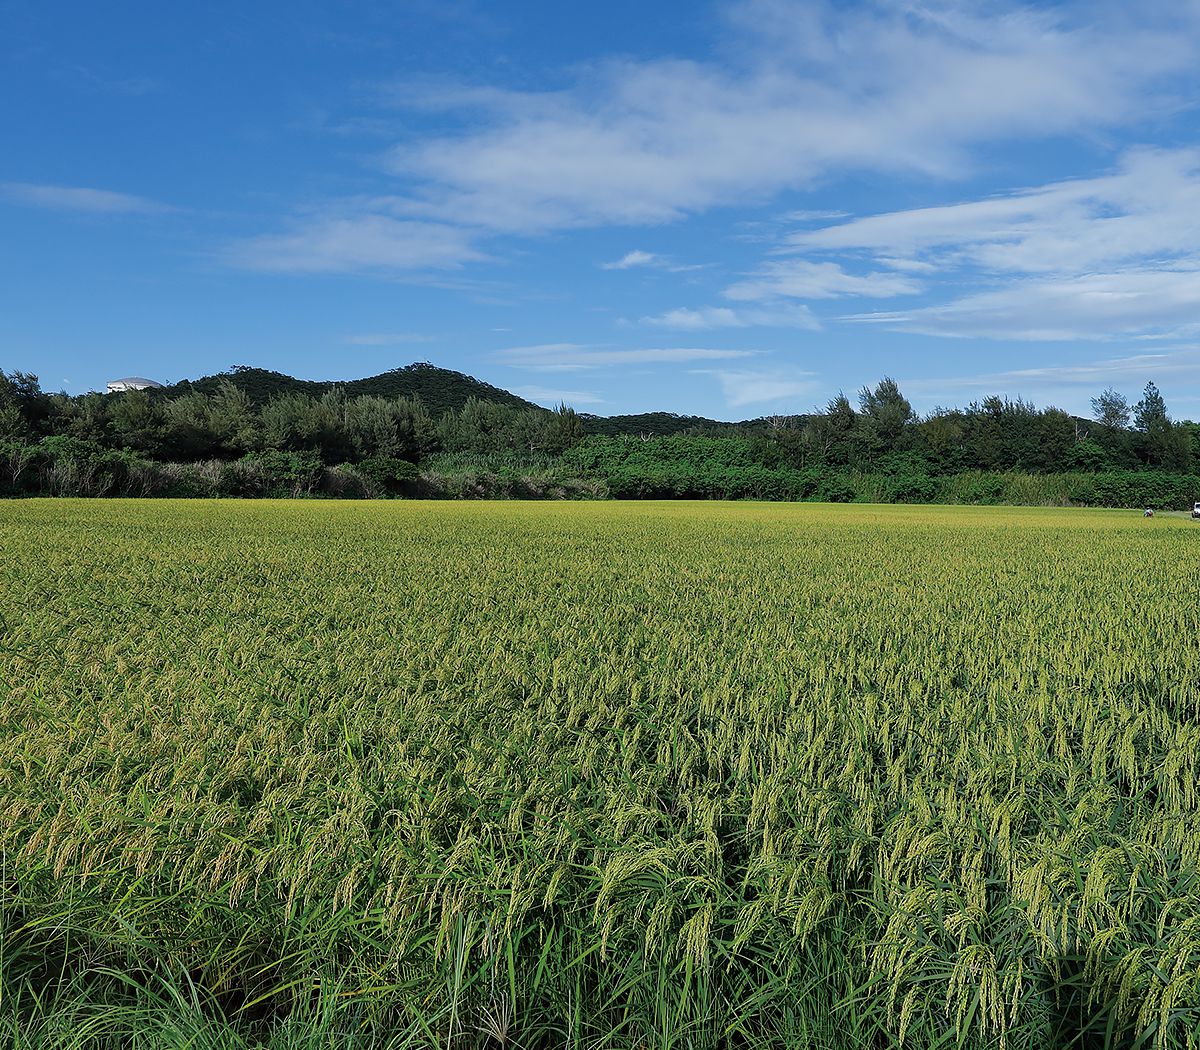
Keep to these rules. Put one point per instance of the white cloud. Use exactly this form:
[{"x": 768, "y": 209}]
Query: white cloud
[
  {"x": 742, "y": 387},
  {"x": 1149, "y": 208},
  {"x": 1133, "y": 369},
  {"x": 631, "y": 259},
  {"x": 1094, "y": 306},
  {"x": 650, "y": 260},
  {"x": 385, "y": 338},
  {"x": 782, "y": 316},
  {"x": 1117, "y": 255},
  {"x": 562, "y": 357},
  {"x": 355, "y": 243},
  {"x": 546, "y": 396},
  {"x": 813, "y": 215},
  {"x": 797, "y": 92},
  {"x": 1071, "y": 385},
  {"x": 80, "y": 199},
  {"x": 802, "y": 279},
  {"x": 829, "y": 87}
]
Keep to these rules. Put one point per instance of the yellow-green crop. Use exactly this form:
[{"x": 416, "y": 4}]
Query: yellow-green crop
[{"x": 606, "y": 774}]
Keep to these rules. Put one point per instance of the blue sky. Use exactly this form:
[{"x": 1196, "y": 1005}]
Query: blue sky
[{"x": 721, "y": 208}]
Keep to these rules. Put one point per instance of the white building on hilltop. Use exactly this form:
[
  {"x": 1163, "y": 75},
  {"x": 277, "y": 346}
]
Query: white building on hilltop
[{"x": 133, "y": 383}]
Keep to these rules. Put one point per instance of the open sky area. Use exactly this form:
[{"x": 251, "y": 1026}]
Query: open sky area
[{"x": 723, "y": 208}]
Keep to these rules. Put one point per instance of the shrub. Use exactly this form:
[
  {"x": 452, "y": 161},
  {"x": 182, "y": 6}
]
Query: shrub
[
  {"x": 836, "y": 488},
  {"x": 389, "y": 477}
]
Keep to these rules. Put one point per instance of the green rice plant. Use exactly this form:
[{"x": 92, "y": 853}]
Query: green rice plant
[{"x": 684, "y": 775}]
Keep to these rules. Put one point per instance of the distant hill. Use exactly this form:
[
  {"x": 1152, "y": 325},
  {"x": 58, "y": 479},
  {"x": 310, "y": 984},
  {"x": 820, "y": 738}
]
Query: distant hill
[
  {"x": 664, "y": 424},
  {"x": 440, "y": 389},
  {"x": 655, "y": 424},
  {"x": 443, "y": 390}
]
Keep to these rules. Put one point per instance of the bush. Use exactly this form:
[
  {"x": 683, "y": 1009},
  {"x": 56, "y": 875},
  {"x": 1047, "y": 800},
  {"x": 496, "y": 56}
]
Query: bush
[
  {"x": 345, "y": 482},
  {"x": 68, "y": 466},
  {"x": 274, "y": 473},
  {"x": 18, "y": 466},
  {"x": 912, "y": 488},
  {"x": 187, "y": 480},
  {"x": 389, "y": 477},
  {"x": 1088, "y": 456},
  {"x": 836, "y": 488}
]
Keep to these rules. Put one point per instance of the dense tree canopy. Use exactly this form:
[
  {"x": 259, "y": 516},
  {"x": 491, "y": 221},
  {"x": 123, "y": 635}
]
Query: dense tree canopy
[{"x": 300, "y": 428}]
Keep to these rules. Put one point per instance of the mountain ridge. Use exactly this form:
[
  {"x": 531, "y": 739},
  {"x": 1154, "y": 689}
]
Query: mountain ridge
[{"x": 441, "y": 390}]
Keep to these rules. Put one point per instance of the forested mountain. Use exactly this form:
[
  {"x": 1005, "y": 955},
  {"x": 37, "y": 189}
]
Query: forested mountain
[
  {"x": 439, "y": 389},
  {"x": 659, "y": 424}
]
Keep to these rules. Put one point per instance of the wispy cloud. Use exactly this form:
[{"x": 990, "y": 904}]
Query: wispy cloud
[
  {"x": 385, "y": 338},
  {"x": 1069, "y": 385},
  {"x": 772, "y": 287},
  {"x": 689, "y": 320},
  {"x": 637, "y": 259},
  {"x": 1149, "y": 208},
  {"x": 356, "y": 243},
  {"x": 552, "y": 397},
  {"x": 82, "y": 199},
  {"x": 1179, "y": 362},
  {"x": 632, "y": 259},
  {"x": 1112, "y": 256},
  {"x": 1096, "y": 306},
  {"x": 561, "y": 357},
  {"x": 746, "y": 387},
  {"x": 803, "y": 279}
]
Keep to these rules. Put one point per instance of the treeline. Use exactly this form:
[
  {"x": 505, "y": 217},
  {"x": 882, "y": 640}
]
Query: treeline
[
  {"x": 216, "y": 437},
  {"x": 227, "y": 423}
]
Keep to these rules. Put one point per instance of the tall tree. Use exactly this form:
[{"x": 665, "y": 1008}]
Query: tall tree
[
  {"x": 137, "y": 422},
  {"x": 831, "y": 432},
  {"x": 885, "y": 413},
  {"x": 24, "y": 409},
  {"x": 233, "y": 420},
  {"x": 1160, "y": 445},
  {"x": 1150, "y": 414},
  {"x": 1111, "y": 409}
]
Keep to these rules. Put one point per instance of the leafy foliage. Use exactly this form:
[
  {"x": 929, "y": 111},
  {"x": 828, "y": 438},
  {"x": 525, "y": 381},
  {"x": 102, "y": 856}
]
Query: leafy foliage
[{"x": 882, "y": 450}]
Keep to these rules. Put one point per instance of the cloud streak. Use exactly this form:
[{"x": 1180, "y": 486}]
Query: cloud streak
[
  {"x": 1113, "y": 256},
  {"x": 743, "y": 387},
  {"x": 804, "y": 279},
  {"x": 80, "y": 199},
  {"x": 1095, "y": 306},
  {"x": 782, "y": 316},
  {"x": 1069, "y": 385},
  {"x": 356, "y": 244},
  {"x": 562, "y": 357},
  {"x": 1148, "y": 208},
  {"x": 633, "y": 259},
  {"x": 385, "y": 338},
  {"x": 554, "y": 397}
]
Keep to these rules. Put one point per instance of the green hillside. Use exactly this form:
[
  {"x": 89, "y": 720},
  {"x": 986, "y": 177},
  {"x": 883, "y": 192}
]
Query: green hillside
[
  {"x": 654, "y": 424},
  {"x": 440, "y": 389}
]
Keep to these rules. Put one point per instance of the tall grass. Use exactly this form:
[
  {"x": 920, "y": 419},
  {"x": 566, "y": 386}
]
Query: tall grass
[{"x": 685, "y": 775}]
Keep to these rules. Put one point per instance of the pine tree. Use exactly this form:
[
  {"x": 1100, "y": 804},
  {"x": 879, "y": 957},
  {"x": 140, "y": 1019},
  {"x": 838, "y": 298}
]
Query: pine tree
[
  {"x": 1150, "y": 414},
  {"x": 1111, "y": 410}
]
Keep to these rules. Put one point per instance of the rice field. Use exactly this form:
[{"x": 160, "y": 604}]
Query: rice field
[{"x": 598, "y": 775}]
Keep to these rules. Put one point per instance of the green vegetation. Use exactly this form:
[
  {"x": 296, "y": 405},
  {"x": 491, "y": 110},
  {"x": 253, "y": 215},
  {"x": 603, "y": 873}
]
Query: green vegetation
[
  {"x": 439, "y": 390},
  {"x": 662, "y": 775},
  {"x": 425, "y": 431}
]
